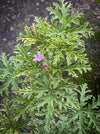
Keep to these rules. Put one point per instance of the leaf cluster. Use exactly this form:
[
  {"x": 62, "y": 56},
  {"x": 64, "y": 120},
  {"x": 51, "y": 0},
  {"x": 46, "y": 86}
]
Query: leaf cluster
[
  {"x": 9, "y": 123},
  {"x": 49, "y": 98}
]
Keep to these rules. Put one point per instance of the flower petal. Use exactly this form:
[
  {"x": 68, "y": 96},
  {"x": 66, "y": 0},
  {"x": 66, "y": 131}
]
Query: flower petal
[
  {"x": 38, "y": 53},
  {"x": 38, "y": 57},
  {"x": 44, "y": 65},
  {"x": 34, "y": 59}
]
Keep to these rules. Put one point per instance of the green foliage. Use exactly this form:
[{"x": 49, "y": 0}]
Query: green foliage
[
  {"x": 87, "y": 115},
  {"x": 97, "y": 35},
  {"x": 50, "y": 99},
  {"x": 97, "y": 1},
  {"x": 6, "y": 74},
  {"x": 8, "y": 121}
]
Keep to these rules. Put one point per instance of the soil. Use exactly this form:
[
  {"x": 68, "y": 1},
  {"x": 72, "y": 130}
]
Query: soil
[{"x": 15, "y": 14}]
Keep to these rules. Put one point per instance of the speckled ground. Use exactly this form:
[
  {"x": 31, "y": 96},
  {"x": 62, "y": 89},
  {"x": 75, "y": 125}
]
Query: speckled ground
[{"x": 15, "y": 14}]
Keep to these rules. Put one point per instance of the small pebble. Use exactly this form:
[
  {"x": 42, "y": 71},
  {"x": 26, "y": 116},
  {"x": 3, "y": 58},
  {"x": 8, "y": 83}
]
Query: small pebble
[
  {"x": 37, "y": 4},
  {"x": 3, "y": 6},
  {"x": 4, "y": 39},
  {"x": 13, "y": 17},
  {"x": 11, "y": 28},
  {"x": 4, "y": 21}
]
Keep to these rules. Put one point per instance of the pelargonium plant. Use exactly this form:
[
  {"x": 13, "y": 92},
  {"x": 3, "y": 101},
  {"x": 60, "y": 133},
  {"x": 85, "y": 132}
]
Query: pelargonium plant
[{"x": 47, "y": 101}]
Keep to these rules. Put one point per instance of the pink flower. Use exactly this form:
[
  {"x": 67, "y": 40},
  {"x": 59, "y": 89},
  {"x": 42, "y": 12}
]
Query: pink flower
[
  {"x": 44, "y": 65},
  {"x": 38, "y": 57},
  {"x": 44, "y": 68}
]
